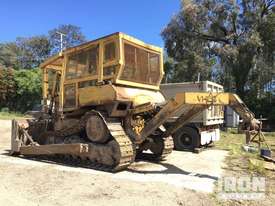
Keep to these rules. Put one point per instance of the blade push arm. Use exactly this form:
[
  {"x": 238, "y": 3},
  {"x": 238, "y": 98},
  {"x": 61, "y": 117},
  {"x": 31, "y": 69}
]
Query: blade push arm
[
  {"x": 240, "y": 108},
  {"x": 196, "y": 102}
]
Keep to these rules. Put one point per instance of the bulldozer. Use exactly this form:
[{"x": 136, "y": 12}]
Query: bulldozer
[{"x": 102, "y": 104}]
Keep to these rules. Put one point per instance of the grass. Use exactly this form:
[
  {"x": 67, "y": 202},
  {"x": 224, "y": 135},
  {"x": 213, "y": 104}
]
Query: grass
[
  {"x": 11, "y": 115},
  {"x": 241, "y": 163},
  {"x": 239, "y": 159}
]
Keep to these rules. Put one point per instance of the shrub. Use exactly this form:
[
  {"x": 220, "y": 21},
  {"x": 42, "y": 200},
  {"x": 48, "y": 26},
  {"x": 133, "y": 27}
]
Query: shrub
[{"x": 28, "y": 89}]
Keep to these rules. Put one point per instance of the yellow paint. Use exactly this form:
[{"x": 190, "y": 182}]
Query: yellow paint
[
  {"x": 121, "y": 90},
  {"x": 202, "y": 98},
  {"x": 139, "y": 96},
  {"x": 96, "y": 95},
  {"x": 142, "y": 99},
  {"x": 137, "y": 85}
]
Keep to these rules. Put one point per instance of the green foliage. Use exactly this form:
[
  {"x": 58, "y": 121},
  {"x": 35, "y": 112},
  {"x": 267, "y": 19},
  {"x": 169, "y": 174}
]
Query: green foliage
[
  {"x": 236, "y": 37},
  {"x": 267, "y": 31},
  {"x": 7, "y": 87},
  {"x": 271, "y": 114},
  {"x": 231, "y": 42},
  {"x": 264, "y": 106},
  {"x": 24, "y": 53},
  {"x": 28, "y": 53},
  {"x": 20, "y": 90},
  {"x": 169, "y": 66},
  {"x": 73, "y": 36},
  {"x": 8, "y": 55},
  {"x": 28, "y": 89},
  {"x": 32, "y": 51},
  {"x": 5, "y": 109},
  {"x": 20, "y": 80},
  {"x": 190, "y": 54},
  {"x": 11, "y": 115}
]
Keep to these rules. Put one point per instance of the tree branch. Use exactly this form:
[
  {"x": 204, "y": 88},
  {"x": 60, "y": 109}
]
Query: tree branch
[{"x": 212, "y": 38}]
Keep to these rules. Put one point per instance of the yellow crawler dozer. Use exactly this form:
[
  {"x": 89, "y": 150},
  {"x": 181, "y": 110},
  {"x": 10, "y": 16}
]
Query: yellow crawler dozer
[{"x": 102, "y": 105}]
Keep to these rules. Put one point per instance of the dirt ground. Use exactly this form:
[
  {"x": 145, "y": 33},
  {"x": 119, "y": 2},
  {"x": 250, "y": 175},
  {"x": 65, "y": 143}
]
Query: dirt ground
[
  {"x": 176, "y": 181},
  {"x": 183, "y": 179}
]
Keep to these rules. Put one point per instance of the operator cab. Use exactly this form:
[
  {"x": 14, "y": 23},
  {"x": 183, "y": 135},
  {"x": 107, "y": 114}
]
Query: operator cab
[{"x": 116, "y": 59}]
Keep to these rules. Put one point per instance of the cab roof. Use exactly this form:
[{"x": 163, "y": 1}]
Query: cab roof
[{"x": 58, "y": 58}]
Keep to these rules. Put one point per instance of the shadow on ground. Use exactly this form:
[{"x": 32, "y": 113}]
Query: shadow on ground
[
  {"x": 76, "y": 163},
  {"x": 170, "y": 169}
]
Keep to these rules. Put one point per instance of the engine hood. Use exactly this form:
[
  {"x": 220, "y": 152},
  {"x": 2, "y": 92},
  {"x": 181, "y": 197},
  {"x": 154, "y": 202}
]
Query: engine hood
[{"x": 139, "y": 96}]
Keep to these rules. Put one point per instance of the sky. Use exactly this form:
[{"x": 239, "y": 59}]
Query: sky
[{"x": 143, "y": 19}]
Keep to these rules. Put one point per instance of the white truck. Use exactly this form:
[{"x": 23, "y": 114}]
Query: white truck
[{"x": 205, "y": 127}]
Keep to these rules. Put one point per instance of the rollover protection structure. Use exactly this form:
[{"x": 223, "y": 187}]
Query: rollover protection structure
[{"x": 102, "y": 104}]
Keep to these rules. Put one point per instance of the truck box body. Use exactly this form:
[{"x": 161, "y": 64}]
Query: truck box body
[
  {"x": 212, "y": 116},
  {"x": 206, "y": 123},
  {"x": 232, "y": 119}
]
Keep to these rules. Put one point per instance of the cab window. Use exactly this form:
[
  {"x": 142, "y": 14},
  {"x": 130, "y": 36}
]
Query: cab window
[
  {"x": 109, "y": 51},
  {"x": 141, "y": 66},
  {"x": 69, "y": 96},
  {"x": 82, "y": 64},
  {"x": 53, "y": 82}
]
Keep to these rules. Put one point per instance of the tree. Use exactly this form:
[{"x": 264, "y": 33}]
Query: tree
[
  {"x": 25, "y": 53},
  {"x": 32, "y": 51},
  {"x": 191, "y": 57},
  {"x": 28, "y": 89},
  {"x": 7, "y": 87},
  {"x": 20, "y": 79},
  {"x": 226, "y": 33},
  {"x": 8, "y": 55},
  {"x": 73, "y": 36},
  {"x": 169, "y": 67}
]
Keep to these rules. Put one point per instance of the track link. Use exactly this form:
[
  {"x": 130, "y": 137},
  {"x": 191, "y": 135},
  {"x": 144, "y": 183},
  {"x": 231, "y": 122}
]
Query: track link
[
  {"x": 160, "y": 147},
  {"x": 114, "y": 155},
  {"x": 168, "y": 147},
  {"x": 127, "y": 150}
]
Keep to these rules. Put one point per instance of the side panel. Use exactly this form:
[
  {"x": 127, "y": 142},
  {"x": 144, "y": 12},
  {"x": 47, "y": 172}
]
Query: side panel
[
  {"x": 214, "y": 114},
  {"x": 139, "y": 96},
  {"x": 232, "y": 119},
  {"x": 208, "y": 136},
  {"x": 96, "y": 95}
]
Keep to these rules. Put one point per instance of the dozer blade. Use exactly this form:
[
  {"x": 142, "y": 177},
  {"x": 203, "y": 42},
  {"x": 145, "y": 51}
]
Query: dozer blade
[
  {"x": 73, "y": 149},
  {"x": 16, "y": 138},
  {"x": 22, "y": 143}
]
